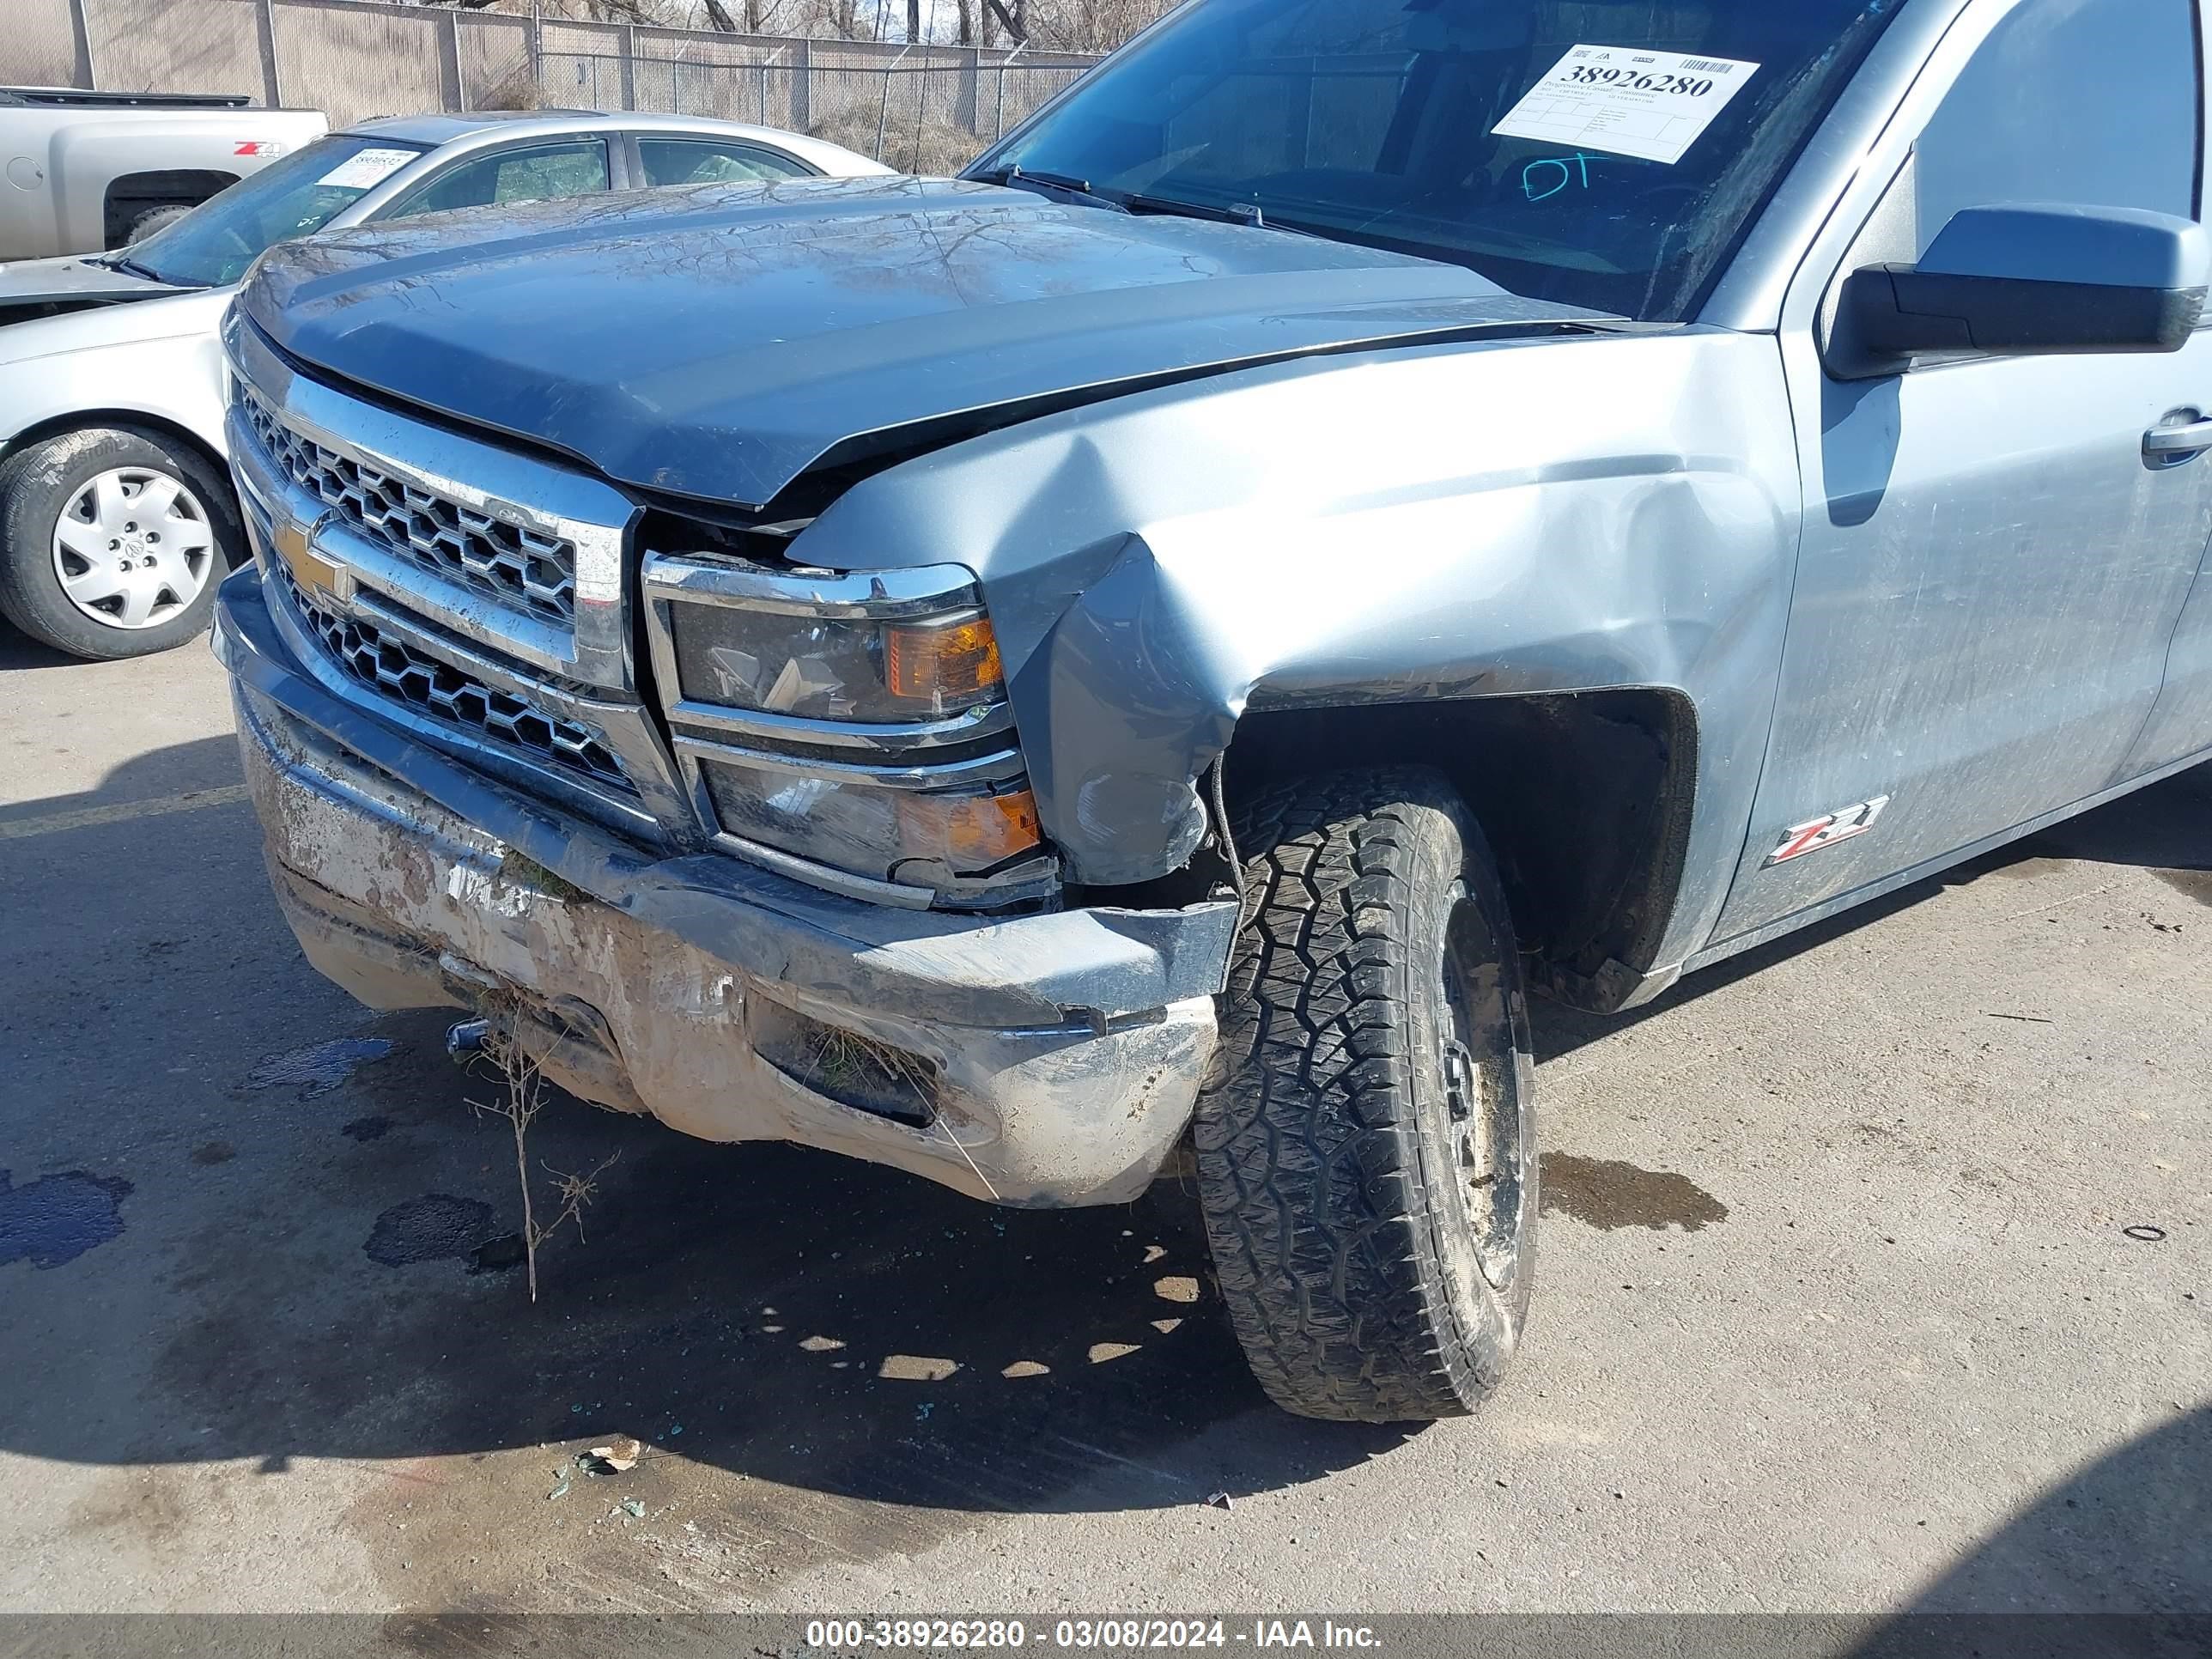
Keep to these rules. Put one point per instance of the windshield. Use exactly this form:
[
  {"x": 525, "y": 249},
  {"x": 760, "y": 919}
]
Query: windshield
[
  {"x": 1602, "y": 154},
  {"x": 213, "y": 244}
]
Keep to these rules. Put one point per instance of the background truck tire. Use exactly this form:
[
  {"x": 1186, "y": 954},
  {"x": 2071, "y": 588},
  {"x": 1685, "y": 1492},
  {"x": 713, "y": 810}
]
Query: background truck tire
[
  {"x": 154, "y": 219},
  {"x": 143, "y": 583},
  {"x": 1365, "y": 1150}
]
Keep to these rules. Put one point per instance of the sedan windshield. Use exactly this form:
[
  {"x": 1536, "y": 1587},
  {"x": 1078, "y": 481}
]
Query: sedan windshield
[
  {"x": 1602, "y": 154},
  {"x": 214, "y": 243}
]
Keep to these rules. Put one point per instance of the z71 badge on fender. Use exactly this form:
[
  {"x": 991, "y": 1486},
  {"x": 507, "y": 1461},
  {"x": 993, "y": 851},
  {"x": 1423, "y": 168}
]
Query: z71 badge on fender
[{"x": 1813, "y": 834}]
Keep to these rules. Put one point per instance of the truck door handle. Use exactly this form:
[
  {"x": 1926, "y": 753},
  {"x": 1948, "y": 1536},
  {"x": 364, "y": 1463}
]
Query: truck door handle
[{"x": 2176, "y": 443}]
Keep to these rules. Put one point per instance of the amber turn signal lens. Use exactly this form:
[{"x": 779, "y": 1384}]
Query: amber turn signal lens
[
  {"x": 937, "y": 665},
  {"x": 971, "y": 832}
]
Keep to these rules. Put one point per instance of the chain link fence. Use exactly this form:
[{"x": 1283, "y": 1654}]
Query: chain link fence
[
  {"x": 915, "y": 117},
  {"x": 923, "y": 108}
]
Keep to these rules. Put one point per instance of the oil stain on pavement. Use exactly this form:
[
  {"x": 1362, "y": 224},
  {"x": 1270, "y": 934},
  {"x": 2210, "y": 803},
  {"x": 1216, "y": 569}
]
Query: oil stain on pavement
[
  {"x": 319, "y": 1069},
  {"x": 58, "y": 1218},
  {"x": 1609, "y": 1195},
  {"x": 436, "y": 1227}
]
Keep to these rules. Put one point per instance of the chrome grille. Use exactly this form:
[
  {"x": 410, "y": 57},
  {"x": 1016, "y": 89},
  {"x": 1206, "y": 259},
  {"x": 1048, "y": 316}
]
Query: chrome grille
[
  {"x": 518, "y": 568},
  {"x": 398, "y": 670}
]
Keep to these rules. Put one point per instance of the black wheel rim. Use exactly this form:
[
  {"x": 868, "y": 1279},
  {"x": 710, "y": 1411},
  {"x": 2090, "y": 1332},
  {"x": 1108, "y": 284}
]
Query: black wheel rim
[{"x": 1482, "y": 1088}]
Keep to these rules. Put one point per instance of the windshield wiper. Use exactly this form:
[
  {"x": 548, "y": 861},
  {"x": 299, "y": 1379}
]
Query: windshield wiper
[
  {"x": 1235, "y": 213},
  {"x": 131, "y": 267},
  {"x": 1130, "y": 201},
  {"x": 1017, "y": 177}
]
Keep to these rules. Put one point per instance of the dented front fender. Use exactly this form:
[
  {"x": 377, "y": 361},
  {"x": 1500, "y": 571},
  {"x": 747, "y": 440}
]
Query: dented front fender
[{"x": 1496, "y": 519}]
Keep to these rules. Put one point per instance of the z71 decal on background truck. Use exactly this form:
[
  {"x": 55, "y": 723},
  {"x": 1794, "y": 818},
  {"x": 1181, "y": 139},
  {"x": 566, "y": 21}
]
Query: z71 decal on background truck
[{"x": 1153, "y": 644}]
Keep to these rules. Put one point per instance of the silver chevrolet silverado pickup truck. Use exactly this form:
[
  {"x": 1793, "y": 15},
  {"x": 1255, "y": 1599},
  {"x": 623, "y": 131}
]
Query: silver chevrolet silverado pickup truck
[
  {"x": 92, "y": 170},
  {"x": 1357, "y": 508}
]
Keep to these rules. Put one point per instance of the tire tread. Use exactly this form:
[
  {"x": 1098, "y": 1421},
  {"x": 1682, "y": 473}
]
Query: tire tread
[{"x": 1309, "y": 1172}]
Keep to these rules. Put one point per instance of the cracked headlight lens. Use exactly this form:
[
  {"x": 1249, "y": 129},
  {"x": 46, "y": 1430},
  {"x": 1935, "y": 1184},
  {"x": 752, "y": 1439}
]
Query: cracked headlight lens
[
  {"x": 835, "y": 668},
  {"x": 884, "y": 834}
]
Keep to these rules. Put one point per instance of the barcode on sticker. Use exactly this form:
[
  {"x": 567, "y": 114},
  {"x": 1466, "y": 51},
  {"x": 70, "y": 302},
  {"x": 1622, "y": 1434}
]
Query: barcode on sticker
[{"x": 1708, "y": 65}]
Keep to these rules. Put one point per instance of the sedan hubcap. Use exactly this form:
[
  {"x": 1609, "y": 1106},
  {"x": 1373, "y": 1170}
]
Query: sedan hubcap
[{"x": 133, "y": 548}]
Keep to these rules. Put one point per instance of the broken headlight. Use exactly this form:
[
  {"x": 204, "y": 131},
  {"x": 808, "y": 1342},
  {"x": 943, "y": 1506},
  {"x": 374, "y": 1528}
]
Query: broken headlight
[
  {"x": 836, "y": 668},
  {"x": 855, "y": 721},
  {"x": 884, "y": 834}
]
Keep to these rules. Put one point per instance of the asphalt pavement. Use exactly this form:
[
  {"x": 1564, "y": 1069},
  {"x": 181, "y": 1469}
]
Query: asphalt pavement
[{"x": 1874, "y": 1277}]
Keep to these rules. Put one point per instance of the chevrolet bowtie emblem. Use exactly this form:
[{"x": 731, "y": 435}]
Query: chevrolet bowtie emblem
[{"x": 309, "y": 569}]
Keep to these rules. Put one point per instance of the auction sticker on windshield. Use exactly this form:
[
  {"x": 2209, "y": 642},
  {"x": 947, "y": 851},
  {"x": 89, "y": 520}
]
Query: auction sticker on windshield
[
  {"x": 365, "y": 169},
  {"x": 1627, "y": 101}
]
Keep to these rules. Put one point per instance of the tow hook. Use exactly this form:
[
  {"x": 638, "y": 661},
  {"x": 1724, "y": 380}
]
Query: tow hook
[{"x": 465, "y": 1039}]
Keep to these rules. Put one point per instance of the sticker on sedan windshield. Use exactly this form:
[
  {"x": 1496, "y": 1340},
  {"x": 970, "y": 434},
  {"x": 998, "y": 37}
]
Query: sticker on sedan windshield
[
  {"x": 1651, "y": 104},
  {"x": 366, "y": 169}
]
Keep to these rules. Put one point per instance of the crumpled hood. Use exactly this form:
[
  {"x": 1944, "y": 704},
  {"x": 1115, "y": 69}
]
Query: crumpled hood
[
  {"x": 73, "y": 280},
  {"x": 718, "y": 342}
]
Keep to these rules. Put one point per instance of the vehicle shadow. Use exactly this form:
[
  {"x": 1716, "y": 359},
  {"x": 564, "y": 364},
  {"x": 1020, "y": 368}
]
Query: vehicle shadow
[
  {"x": 2166, "y": 828},
  {"x": 167, "y": 778},
  {"x": 18, "y": 650},
  {"x": 2043, "y": 1584},
  {"x": 793, "y": 1316},
  {"x": 244, "y": 1218}
]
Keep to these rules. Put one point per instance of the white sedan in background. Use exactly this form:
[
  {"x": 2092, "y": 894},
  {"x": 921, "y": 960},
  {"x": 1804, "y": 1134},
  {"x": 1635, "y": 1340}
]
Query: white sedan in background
[{"x": 117, "y": 516}]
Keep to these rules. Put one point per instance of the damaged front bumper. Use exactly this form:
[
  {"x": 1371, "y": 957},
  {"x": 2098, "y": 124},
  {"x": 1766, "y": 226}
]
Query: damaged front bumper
[{"x": 1046, "y": 1060}]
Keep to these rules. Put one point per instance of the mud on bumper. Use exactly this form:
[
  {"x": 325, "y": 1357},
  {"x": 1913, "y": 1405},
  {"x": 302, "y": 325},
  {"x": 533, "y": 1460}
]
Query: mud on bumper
[{"x": 1047, "y": 1060}]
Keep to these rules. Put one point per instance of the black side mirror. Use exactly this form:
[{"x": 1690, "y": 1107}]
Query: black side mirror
[{"x": 2029, "y": 279}]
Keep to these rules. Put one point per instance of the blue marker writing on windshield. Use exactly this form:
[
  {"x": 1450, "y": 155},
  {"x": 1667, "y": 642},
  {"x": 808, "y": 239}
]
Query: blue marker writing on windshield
[{"x": 1580, "y": 163}]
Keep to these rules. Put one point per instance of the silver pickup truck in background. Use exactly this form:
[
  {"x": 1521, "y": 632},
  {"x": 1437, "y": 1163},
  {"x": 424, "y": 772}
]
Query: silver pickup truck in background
[
  {"x": 81, "y": 172},
  {"x": 1354, "y": 509}
]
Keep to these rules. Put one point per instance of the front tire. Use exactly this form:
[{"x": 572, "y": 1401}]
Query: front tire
[
  {"x": 113, "y": 542},
  {"x": 1366, "y": 1150}
]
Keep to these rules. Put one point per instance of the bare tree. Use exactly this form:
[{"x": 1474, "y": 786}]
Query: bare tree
[
  {"x": 522, "y": 1095},
  {"x": 1084, "y": 25}
]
